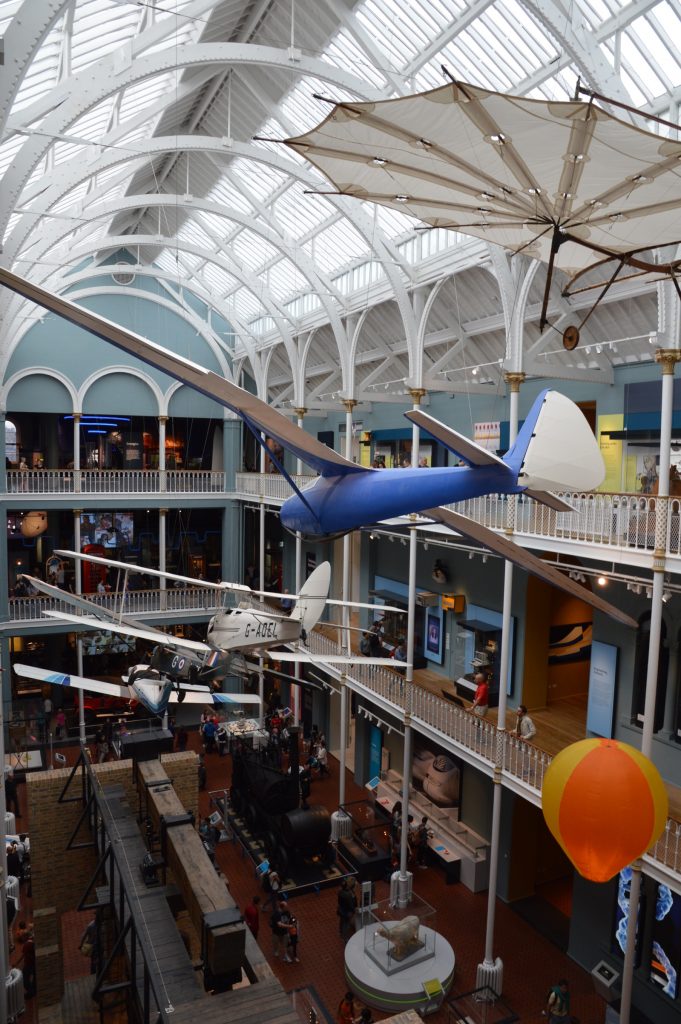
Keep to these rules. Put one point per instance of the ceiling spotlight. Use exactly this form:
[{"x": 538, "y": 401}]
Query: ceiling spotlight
[
  {"x": 471, "y": 555},
  {"x": 372, "y": 536},
  {"x": 652, "y": 338},
  {"x": 474, "y": 371},
  {"x": 401, "y": 199},
  {"x": 649, "y": 592},
  {"x": 599, "y": 349},
  {"x": 601, "y": 581},
  {"x": 667, "y": 596},
  {"x": 379, "y": 161},
  {"x": 636, "y": 587},
  {"x": 425, "y": 545},
  {"x": 484, "y": 559}
]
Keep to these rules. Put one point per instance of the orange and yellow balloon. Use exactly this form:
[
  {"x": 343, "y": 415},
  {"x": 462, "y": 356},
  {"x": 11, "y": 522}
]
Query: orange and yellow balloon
[{"x": 605, "y": 803}]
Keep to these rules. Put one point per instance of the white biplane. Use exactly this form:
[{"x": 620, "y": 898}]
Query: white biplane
[{"x": 181, "y": 669}]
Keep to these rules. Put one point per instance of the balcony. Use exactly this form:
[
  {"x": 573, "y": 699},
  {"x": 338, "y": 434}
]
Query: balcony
[
  {"x": 126, "y": 482},
  {"x": 193, "y": 601},
  {"x": 616, "y": 527}
]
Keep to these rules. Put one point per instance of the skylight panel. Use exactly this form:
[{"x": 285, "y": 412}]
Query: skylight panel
[
  {"x": 639, "y": 68},
  {"x": 260, "y": 179},
  {"x": 344, "y": 53},
  {"x": 142, "y": 131},
  {"x": 99, "y": 27},
  {"x": 9, "y": 150},
  {"x": 111, "y": 194},
  {"x": 302, "y": 110},
  {"x": 658, "y": 51},
  {"x": 8, "y": 8},
  {"x": 69, "y": 200},
  {"x": 593, "y": 12},
  {"x": 11, "y": 224},
  {"x": 218, "y": 279},
  {"x": 218, "y": 227},
  {"x": 299, "y": 214},
  {"x": 246, "y": 304},
  {"x": 382, "y": 19},
  {"x": 37, "y": 174},
  {"x": 191, "y": 231},
  {"x": 42, "y": 72},
  {"x": 166, "y": 261},
  {"x": 337, "y": 245},
  {"x": 93, "y": 124},
  {"x": 62, "y": 151},
  {"x": 253, "y": 250},
  {"x": 227, "y": 194},
  {"x": 284, "y": 279},
  {"x": 138, "y": 97}
]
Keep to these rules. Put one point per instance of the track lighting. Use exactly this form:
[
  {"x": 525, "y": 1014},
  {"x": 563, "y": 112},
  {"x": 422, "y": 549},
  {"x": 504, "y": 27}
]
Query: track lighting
[{"x": 667, "y": 596}]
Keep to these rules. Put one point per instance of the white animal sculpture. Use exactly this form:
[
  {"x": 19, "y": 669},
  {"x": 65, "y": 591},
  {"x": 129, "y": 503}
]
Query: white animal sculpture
[{"x": 402, "y": 935}]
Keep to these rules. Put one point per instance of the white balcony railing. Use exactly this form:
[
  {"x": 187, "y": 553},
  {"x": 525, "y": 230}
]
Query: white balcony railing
[
  {"x": 114, "y": 481},
  {"x": 524, "y": 764},
  {"x": 625, "y": 522},
  {"x": 271, "y": 486},
  {"x": 137, "y": 602}
]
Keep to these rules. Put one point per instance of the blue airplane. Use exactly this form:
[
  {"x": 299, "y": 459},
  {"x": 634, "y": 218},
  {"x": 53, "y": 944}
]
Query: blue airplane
[{"x": 555, "y": 450}]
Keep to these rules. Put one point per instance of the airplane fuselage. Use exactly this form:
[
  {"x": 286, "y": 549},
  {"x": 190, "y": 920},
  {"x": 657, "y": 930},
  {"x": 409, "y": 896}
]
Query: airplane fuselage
[
  {"x": 243, "y": 629},
  {"x": 342, "y": 503}
]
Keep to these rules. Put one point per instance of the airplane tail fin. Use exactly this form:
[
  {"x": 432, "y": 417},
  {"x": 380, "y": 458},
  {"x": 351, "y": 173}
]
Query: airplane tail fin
[
  {"x": 312, "y": 598},
  {"x": 555, "y": 449}
]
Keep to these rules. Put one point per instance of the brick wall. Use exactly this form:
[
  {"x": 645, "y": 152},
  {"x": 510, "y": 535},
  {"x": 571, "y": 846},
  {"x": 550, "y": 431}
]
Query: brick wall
[
  {"x": 58, "y": 875},
  {"x": 183, "y": 771}
]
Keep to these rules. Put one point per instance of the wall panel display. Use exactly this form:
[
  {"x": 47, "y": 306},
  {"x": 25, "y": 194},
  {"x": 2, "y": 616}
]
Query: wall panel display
[
  {"x": 666, "y": 950},
  {"x": 437, "y": 774}
]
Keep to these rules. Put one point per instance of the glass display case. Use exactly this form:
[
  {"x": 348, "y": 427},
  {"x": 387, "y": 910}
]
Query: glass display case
[
  {"x": 402, "y": 936},
  {"x": 367, "y": 849}
]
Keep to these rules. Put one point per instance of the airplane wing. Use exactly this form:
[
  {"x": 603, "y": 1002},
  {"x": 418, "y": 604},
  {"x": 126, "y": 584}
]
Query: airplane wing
[
  {"x": 471, "y": 452},
  {"x": 526, "y": 560},
  {"x": 252, "y": 410},
  {"x": 551, "y": 500},
  {"x": 212, "y": 697},
  {"x": 75, "y": 600},
  {"x": 371, "y": 607},
  {"x": 80, "y": 682},
  {"x": 126, "y": 629},
  {"x": 333, "y": 659}
]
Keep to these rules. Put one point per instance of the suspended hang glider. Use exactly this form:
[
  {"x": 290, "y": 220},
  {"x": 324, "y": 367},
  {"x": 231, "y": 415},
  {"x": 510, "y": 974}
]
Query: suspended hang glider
[
  {"x": 566, "y": 183},
  {"x": 555, "y": 450}
]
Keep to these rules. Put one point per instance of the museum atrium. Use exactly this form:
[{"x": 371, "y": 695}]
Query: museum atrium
[{"x": 146, "y": 177}]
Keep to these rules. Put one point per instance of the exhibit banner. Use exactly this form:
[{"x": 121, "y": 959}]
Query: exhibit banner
[
  {"x": 375, "y": 750},
  {"x": 602, "y": 683}
]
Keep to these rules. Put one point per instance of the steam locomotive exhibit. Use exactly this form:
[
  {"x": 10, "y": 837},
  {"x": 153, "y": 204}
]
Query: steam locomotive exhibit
[{"x": 268, "y": 802}]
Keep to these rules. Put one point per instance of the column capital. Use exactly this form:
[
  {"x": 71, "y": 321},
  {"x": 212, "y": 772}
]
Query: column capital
[
  {"x": 77, "y": 416},
  {"x": 668, "y": 358},
  {"x": 514, "y": 380},
  {"x": 349, "y": 404},
  {"x": 417, "y": 395},
  {"x": 162, "y": 419},
  {"x": 163, "y": 511},
  {"x": 300, "y": 412},
  {"x": 77, "y": 511}
]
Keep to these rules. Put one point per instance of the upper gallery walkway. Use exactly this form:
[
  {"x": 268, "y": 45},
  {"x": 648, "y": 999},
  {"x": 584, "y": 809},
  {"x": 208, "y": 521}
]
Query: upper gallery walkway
[{"x": 617, "y": 528}]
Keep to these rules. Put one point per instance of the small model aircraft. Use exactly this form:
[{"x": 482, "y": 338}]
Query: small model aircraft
[
  {"x": 181, "y": 669},
  {"x": 554, "y": 450}
]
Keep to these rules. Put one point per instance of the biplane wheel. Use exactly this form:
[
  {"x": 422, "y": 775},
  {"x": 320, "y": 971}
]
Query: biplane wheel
[{"x": 570, "y": 338}]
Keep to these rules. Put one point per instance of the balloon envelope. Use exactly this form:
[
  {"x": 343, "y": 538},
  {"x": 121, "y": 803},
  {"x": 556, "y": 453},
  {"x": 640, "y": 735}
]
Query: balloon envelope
[{"x": 605, "y": 803}]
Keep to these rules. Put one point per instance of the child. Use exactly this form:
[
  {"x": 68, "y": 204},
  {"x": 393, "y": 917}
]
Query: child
[{"x": 292, "y": 943}]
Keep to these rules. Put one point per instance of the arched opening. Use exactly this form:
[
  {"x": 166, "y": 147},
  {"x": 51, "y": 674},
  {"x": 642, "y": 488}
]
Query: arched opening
[{"x": 11, "y": 445}]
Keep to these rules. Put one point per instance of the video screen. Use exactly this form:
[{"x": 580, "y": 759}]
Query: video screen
[
  {"x": 666, "y": 951},
  {"x": 108, "y": 529},
  {"x": 107, "y": 643}
]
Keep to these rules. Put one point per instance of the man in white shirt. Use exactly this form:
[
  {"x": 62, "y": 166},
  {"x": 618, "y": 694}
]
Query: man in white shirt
[{"x": 525, "y": 727}]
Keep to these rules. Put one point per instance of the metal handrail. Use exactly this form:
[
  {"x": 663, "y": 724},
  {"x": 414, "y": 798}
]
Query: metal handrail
[{"x": 114, "y": 481}]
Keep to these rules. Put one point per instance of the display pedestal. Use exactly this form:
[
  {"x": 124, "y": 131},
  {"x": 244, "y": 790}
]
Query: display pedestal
[{"x": 403, "y": 990}]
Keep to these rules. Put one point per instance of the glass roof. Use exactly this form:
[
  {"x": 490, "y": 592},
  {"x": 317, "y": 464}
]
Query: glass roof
[{"x": 388, "y": 46}]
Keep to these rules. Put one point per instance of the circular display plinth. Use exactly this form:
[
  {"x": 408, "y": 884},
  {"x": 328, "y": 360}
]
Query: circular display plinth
[{"x": 403, "y": 990}]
